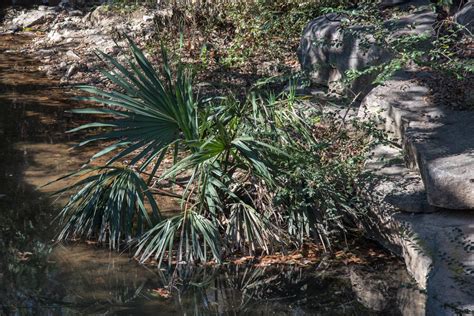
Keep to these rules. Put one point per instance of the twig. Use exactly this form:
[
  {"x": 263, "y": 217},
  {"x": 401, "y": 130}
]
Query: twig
[{"x": 347, "y": 112}]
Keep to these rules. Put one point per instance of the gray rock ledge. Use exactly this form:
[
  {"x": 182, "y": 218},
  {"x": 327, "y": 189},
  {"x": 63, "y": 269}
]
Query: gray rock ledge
[
  {"x": 436, "y": 245},
  {"x": 439, "y": 142}
]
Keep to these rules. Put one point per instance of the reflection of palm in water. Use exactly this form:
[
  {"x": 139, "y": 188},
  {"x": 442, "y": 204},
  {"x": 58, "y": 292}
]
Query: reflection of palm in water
[
  {"x": 240, "y": 289},
  {"x": 98, "y": 281}
]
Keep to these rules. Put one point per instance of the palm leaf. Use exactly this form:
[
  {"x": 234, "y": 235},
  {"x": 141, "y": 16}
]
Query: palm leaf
[
  {"x": 109, "y": 205},
  {"x": 149, "y": 115},
  {"x": 189, "y": 232}
]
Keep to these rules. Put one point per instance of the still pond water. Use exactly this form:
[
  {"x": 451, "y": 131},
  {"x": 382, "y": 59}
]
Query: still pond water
[{"x": 38, "y": 277}]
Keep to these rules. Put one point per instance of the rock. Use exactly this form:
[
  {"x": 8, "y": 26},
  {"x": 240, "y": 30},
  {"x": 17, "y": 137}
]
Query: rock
[
  {"x": 49, "y": 70},
  {"x": 327, "y": 52},
  {"x": 436, "y": 244},
  {"x": 411, "y": 301},
  {"x": 391, "y": 180},
  {"x": 32, "y": 18},
  {"x": 97, "y": 16},
  {"x": 148, "y": 18},
  {"x": 14, "y": 28},
  {"x": 437, "y": 141},
  {"x": 465, "y": 17},
  {"x": 371, "y": 292},
  {"x": 75, "y": 13},
  {"x": 87, "y": 18},
  {"x": 402, "y": 188},
  {"x": 72, "y": 56},
  {"x": 54, "y": 37},
  {"x": 375, "y": 289},
  {"x": 437, "y": 247},
  {"x": 72, "y": 70},
  {"x": 78, "y": 37}
]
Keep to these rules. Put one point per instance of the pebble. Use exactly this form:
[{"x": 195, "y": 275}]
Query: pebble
[{"x": 71, "y": 71}]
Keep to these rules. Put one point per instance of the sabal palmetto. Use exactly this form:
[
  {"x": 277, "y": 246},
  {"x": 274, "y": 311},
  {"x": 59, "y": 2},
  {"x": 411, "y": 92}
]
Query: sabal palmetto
[
  {"x": 153, "y": 112},
  {"x": 109, "y": 205},
  {"x": 240, "y": 163}
]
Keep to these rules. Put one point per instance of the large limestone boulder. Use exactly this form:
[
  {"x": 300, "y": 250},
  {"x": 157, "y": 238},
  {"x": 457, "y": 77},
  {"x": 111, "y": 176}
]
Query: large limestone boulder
[
  {"x": 437, "y": 141},
  {"x": 327, "y": 50}
]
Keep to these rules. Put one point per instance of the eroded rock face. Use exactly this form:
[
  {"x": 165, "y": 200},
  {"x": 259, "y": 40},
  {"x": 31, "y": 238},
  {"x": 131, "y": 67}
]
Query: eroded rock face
[
  {"x": 437, "y": 141},
  {"x": 374, "y": 289},
  {"x": 327, "y": 51},
  {"x": 437, "y": 245}
]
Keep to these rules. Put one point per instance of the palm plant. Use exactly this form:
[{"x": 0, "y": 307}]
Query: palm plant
[
  {"x": 154, "y": 114},
  {"x": 241, "y": 166},
  {"x": 151, "y": 113},
  {"x": 109, "y": 206}
]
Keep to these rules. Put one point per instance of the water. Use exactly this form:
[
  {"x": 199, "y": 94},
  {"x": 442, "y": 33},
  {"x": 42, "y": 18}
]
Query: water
[{"x": 38, "y": 277}]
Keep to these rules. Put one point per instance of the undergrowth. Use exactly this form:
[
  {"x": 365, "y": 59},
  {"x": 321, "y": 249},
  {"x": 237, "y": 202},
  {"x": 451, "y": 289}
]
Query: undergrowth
[
  {"x": 232, "y": 44},
  {"x": 252, "y": 176},
  {"x": 253, "y": 173}
]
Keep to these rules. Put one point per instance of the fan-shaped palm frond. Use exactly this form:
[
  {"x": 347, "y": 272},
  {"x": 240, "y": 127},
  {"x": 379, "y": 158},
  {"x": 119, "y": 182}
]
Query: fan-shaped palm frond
[
  {"x": 109, "y": 205},
  {"x": 251, "y": 229},
  {"x": 195, "y": 232},
  {"x": 151, "y": 110}
]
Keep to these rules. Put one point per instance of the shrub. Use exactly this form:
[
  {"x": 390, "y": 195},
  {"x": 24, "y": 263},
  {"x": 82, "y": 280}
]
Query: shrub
[{"x": 257, "y": 175}]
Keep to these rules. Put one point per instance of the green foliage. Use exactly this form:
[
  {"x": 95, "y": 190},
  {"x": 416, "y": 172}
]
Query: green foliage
[
  {"x": 127, "y": 6},
  {"x": 241, "y": 32},
  {"x": 153, "y": 114},
  {"x": 109, "y": 205},
  {"x": 316, "y": 194},
  {"x": 195, "y": 232},
  {"x": 254, "y": 175},
  {"x": 442, "y": 51}
]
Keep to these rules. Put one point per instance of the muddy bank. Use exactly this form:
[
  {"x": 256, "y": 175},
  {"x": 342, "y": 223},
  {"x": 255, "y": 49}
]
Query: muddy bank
[{"x": 66, "y": 39}]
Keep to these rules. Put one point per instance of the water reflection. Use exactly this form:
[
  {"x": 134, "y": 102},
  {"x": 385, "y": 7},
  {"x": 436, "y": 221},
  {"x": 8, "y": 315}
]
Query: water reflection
[
  {"x": 37, "y": 278},
  {"x": 83, "y": 282},
  {"x": 33, "y": 150}
]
